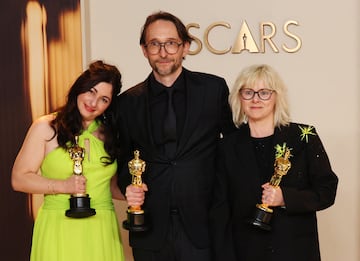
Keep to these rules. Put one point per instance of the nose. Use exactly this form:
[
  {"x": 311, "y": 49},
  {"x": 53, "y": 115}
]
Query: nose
[
  {"x": 162, "y": 51},
  {"x": 256, "y": 97},
  {"x": 93, "y": 102}
]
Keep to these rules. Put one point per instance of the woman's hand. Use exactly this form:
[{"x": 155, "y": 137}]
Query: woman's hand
[{"x": 75, "y": 184}]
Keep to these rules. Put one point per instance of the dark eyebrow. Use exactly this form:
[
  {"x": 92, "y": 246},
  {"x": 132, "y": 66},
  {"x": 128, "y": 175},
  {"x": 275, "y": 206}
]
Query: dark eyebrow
[{"x": 167, "y": 40}]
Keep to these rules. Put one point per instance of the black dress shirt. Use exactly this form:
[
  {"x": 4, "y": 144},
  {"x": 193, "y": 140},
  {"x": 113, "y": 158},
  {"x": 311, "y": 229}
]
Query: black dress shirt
[{"x": 158, "y": 106}]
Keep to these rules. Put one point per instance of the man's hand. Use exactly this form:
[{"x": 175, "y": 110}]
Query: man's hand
[{"x": 135, "y": 195}]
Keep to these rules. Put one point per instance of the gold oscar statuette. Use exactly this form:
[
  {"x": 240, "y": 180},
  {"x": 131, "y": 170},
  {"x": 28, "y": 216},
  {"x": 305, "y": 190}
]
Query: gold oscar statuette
[
  {"x": 263, "y": 213},
  {"x": 80, "y": 202},
  {"x": 135, "y": 215}
]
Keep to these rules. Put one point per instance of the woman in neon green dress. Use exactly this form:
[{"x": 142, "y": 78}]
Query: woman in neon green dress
[{"x": 44, "y": 166}]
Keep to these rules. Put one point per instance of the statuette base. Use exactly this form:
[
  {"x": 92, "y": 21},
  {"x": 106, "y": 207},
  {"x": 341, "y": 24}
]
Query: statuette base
[
  {"x": 135, "y": 221},
  {"x": 262, "y": 218},
  {"x": 80, "y": 207}
]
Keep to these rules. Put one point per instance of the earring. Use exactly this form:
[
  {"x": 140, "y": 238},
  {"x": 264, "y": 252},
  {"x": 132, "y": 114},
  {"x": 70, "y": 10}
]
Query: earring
[
  {"x": 104, "y": 119},
  {"x": 245, "y": 119}
]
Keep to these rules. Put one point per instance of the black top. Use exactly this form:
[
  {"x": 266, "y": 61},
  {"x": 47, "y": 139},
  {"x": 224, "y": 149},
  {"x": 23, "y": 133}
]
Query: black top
[{"x": 264, "y": 153}]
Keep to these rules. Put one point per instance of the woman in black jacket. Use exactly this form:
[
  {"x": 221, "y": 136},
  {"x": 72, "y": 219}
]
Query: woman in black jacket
[{"x": 271, "y": 220}]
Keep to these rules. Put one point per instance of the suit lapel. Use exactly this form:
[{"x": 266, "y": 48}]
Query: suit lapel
[
  {"x": 141, "y": 115},
  {"x": 194, "y": 107}
]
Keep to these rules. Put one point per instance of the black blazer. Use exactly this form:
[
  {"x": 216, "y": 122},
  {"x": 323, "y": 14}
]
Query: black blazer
[
  {"x": 309, "y": 186},
  {"x": 191, "y": 173}
]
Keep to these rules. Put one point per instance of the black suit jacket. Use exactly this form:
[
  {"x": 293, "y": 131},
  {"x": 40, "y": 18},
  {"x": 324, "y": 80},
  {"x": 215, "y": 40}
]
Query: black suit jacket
[
  {"x": 309, "y": 186},
  {"x": 191, "y": 174}
]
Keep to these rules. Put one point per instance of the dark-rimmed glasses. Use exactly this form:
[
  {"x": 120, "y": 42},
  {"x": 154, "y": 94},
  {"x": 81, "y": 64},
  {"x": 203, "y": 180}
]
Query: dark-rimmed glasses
[
  {"x": 263, "y": 94},
  {"x": 171, "y": 47}
]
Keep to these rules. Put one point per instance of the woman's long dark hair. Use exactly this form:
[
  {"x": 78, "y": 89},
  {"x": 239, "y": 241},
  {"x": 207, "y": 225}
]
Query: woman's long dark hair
[{"x": 68, "y": 121}]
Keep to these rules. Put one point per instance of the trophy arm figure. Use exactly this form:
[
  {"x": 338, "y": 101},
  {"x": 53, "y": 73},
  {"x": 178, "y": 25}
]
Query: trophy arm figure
[
  {"x": 136, "y": 169},
  {"x": 79, "y": 202},
  {"x": 77, "y": 155},
  {"x": 281, "y": 166}
]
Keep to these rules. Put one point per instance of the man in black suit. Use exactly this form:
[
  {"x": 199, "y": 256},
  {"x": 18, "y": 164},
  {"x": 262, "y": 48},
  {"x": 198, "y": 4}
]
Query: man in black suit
[{"x": 179, "y": 152}]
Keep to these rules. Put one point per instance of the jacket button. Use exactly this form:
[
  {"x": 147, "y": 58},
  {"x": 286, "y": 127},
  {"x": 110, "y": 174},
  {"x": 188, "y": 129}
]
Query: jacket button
[{"x": 270, "y": 249}]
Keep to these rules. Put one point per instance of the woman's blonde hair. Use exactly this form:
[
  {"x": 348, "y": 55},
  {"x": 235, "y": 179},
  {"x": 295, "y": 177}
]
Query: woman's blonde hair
[{"x": 248, "y": 78}]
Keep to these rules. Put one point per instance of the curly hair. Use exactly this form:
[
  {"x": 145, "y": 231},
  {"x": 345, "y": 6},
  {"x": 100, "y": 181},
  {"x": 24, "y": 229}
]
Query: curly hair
[{"x": 68, "y": 121}]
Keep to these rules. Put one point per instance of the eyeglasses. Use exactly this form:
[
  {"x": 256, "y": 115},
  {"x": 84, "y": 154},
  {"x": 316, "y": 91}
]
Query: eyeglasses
[
  {"x": 171, "y": 47},
  {"x": 263, "y": 94}
]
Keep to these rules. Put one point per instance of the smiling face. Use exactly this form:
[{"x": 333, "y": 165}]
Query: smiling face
[
  {"x": 256, "y": 109},
  {"x": 94, "y": 102},
  {"x": 166, "y": 67}
]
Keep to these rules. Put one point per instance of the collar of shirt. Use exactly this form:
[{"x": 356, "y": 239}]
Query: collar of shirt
[{"x": 157, "y": 88}]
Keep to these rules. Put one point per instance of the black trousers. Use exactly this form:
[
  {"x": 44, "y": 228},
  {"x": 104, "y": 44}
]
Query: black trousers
[{"x": 177, "y": 246}]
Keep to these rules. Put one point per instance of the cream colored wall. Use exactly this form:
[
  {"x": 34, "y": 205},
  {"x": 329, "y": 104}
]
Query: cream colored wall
[{"x": 322, "y": 77}]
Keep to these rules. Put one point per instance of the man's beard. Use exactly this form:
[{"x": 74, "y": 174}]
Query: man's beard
[{"x": 166, "y": 71}]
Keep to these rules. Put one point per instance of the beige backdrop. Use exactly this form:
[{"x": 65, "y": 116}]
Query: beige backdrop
[{"x": 321, "y": 76}]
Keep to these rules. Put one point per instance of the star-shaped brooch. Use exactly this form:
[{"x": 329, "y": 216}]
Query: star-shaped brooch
[
  {"x": 281, "y": 150},
  {"x": 305, "y": 132}
]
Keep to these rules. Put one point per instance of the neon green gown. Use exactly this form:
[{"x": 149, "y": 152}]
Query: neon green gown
[{"x": 60, "y": 238}]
